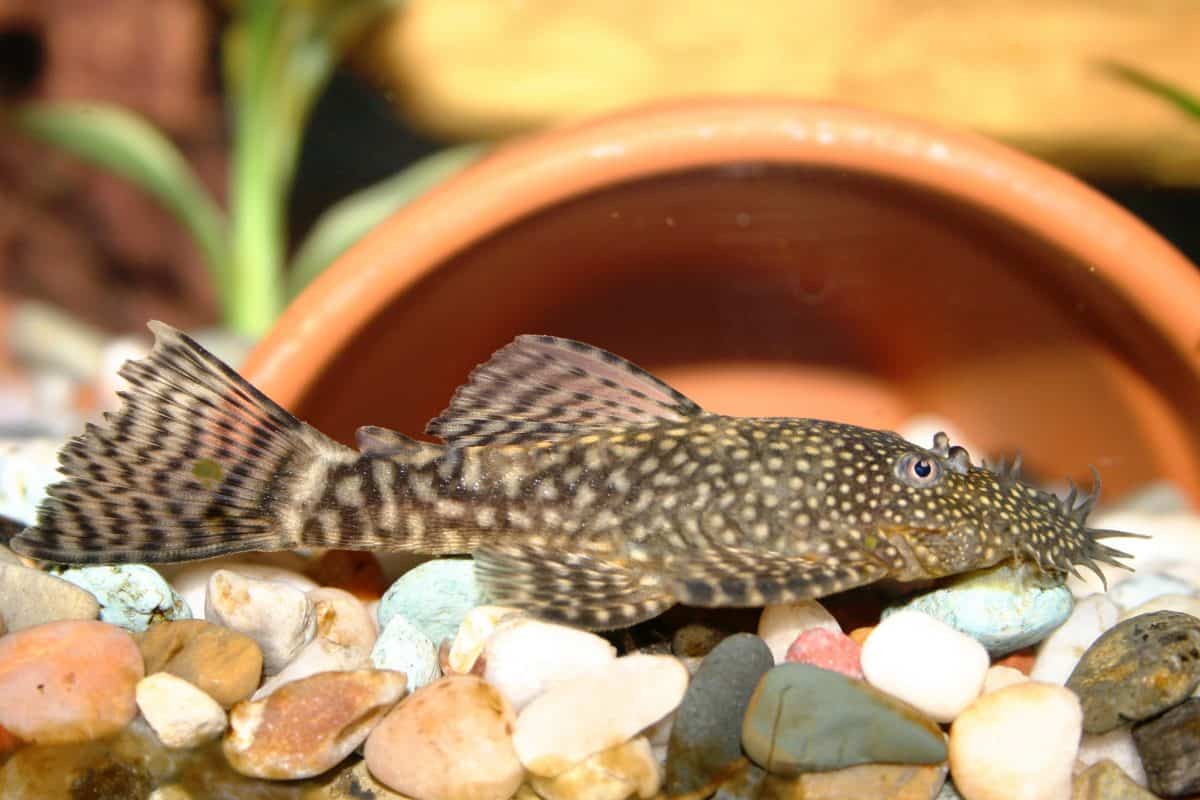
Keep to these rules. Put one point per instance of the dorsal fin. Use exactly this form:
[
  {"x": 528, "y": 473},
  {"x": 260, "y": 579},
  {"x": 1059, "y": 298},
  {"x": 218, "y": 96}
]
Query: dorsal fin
[
  {"x": 543, "y": 387},
  {"x": 372, "y": 440}
]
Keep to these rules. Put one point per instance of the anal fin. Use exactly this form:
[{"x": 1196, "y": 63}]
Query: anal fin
[
  {"x": 737, "y": 577},
  {"x": 569, "y": 587}
]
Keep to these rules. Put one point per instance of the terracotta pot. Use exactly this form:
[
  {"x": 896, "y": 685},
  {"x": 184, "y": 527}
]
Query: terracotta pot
[{"x": 783, "y": 259}]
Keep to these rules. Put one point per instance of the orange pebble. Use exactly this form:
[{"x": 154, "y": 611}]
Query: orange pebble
[
  {"x": 1022, "y": 660},
  {"x": 860, "y": 635},
  {"x": 8, "y": 743},
  {"x": 354, "y": 571}
]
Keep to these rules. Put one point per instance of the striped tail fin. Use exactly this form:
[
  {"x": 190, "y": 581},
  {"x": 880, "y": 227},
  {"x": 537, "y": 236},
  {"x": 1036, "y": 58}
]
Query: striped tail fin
[{"x": 196, "y": 463}]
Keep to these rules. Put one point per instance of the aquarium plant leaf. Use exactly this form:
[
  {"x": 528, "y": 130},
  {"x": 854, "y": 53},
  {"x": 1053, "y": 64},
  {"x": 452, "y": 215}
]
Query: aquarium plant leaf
[
  {"x": 1182, "y": 99},
  {"x": 127, "y": 145},
  {"x": 350, "y": 219}
]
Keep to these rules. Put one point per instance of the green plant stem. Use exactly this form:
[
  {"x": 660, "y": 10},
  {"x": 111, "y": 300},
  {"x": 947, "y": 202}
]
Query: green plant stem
[{"x": 254, "y": 296}]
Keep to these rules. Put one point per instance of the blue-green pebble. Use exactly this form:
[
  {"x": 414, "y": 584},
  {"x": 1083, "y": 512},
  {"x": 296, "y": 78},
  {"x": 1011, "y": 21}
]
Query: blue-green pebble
[
  {"x": 132, "y": 596},
  {"x": 803, "y": 718},
  {"x": 1004, "y": 608},
  {"x": 434, "y": 596},
  {"x": 402, "y": 646}
]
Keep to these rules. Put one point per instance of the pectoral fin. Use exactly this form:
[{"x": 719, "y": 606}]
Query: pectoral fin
[
  {"x": 570, "y": 587},
  {"x": 731, "y": 576}
]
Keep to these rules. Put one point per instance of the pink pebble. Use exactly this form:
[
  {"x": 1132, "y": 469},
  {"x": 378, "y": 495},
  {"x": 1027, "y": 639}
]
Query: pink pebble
[
  {"x": 827, "y": 649},
  {"x": 68, "y": 681}
]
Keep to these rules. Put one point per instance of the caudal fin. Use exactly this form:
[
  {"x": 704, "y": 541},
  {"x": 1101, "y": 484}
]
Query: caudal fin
[{"x": 193, "y": 465}]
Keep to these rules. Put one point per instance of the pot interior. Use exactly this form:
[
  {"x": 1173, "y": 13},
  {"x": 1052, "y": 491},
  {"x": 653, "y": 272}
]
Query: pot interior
[{"x": 772, "y": 289}]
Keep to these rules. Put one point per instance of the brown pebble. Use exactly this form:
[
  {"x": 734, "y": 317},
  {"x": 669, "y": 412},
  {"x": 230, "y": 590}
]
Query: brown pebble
[
  {"x": 225, "y": 664},
  {"x": 308, "y": 726},
  {"x": 1104, "y": 780},
  {"x": 859, "y": 635}
]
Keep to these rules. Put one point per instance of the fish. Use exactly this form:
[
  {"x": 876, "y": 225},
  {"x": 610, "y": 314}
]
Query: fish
[{"x": 587, "y": 491}]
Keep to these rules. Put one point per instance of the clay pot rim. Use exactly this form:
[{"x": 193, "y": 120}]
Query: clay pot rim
[{"x": 534, "y": 173}]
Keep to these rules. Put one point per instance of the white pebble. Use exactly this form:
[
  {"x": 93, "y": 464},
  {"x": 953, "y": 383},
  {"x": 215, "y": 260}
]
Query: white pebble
[
  {"x": 191, "y": 581},
  {"x": 1141, "y": 589},
  {"x": 925, "y": 662},
  {"x": 179, "y": 713},
  {"x": 404, "y": 647},
  {"x": 1183, "y": 603},
  {"x": 1001, "y": 677},
  {"x": 594, "y": 712},
  {"x": 1017, "y": 744},
  {"x": 343, "y": 642},
  {"x": 1173, "y": 548},
  {"x": 277, "y": 616},
  {"x": 1118, "y": 745},
  {"x": 780, "y": 624},
  {"x": 525, "y": 656},
  {"x": 1061, "y": 650},
  {"x": 473, "y": 632}
]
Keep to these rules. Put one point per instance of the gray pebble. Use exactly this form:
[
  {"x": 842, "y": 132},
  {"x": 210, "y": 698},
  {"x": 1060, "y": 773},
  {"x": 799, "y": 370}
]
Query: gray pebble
[
  {"x": 705, "y": 744},
  {"x": 803, "y": 718},
  {"x": 1168, "y": 747},
  {"x": 30, "y": 597},
  {"x": 1137, "y": 668}
]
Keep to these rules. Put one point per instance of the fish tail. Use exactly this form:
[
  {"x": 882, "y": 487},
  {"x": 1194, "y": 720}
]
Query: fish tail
[{"x": 196, "y": 463}]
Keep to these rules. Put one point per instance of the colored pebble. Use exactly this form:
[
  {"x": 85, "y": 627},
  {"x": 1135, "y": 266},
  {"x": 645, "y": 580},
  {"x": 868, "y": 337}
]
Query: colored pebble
[
  {"x": 1104, "y": 780},
  {"x": 1004, "y": 608},
  {"x": 780, "y": 624},
  {"x": 224, "y": 664},
  {"x": 926, "y": 663},
  {"x": 180, "y": 714},
  {"x": 860, "y": 635},
  {"x": 343, "y": 641},
  {"x": 620, "y": 772},
  {"x": 404, "y": 647},
  {"x": 803, "y": 718},
  {"x": 524, "y": 656},
  {"x": 1167, "y": 746},
  {"x": 68, "y": 681},
  {"x": 473, "y": 632},
  {"x": 131, "y": 596},
  {"x": 355, "y": 571},
  {"x": 827, "y": 649},
  {"x": 597, "y": 710},
  {"x": 1142, "y": 588},
  {"x": 451, "y": 740},
  {"x": 705, "y": 744},
  {"x": 1137, "y": 669},
  {"x": 310, "y": 725},
  {"x": 434, "y": 596},
  {"x": 30, "y": 597},
  {"x": 1063, "y": 648},
  {"x": 1016, "y": 744},
  {"x": 278, "y": 616}
]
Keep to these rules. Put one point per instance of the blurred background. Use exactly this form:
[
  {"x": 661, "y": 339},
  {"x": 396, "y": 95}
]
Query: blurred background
[{"x": 151, "y": 148}]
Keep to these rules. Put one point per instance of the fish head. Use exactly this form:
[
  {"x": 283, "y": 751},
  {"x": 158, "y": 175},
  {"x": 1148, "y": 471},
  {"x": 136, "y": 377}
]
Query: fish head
[{"x": 945, "y": 516}]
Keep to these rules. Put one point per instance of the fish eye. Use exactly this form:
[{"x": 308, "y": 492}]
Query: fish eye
[{"x": 918, "y": 470}]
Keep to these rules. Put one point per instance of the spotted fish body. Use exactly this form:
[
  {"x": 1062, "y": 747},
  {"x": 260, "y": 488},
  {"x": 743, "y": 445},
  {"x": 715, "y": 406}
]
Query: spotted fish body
[{"x": 587, "y": 490}]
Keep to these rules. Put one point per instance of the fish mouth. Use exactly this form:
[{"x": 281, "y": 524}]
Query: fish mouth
[{"x": 1084, "y": 545}]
